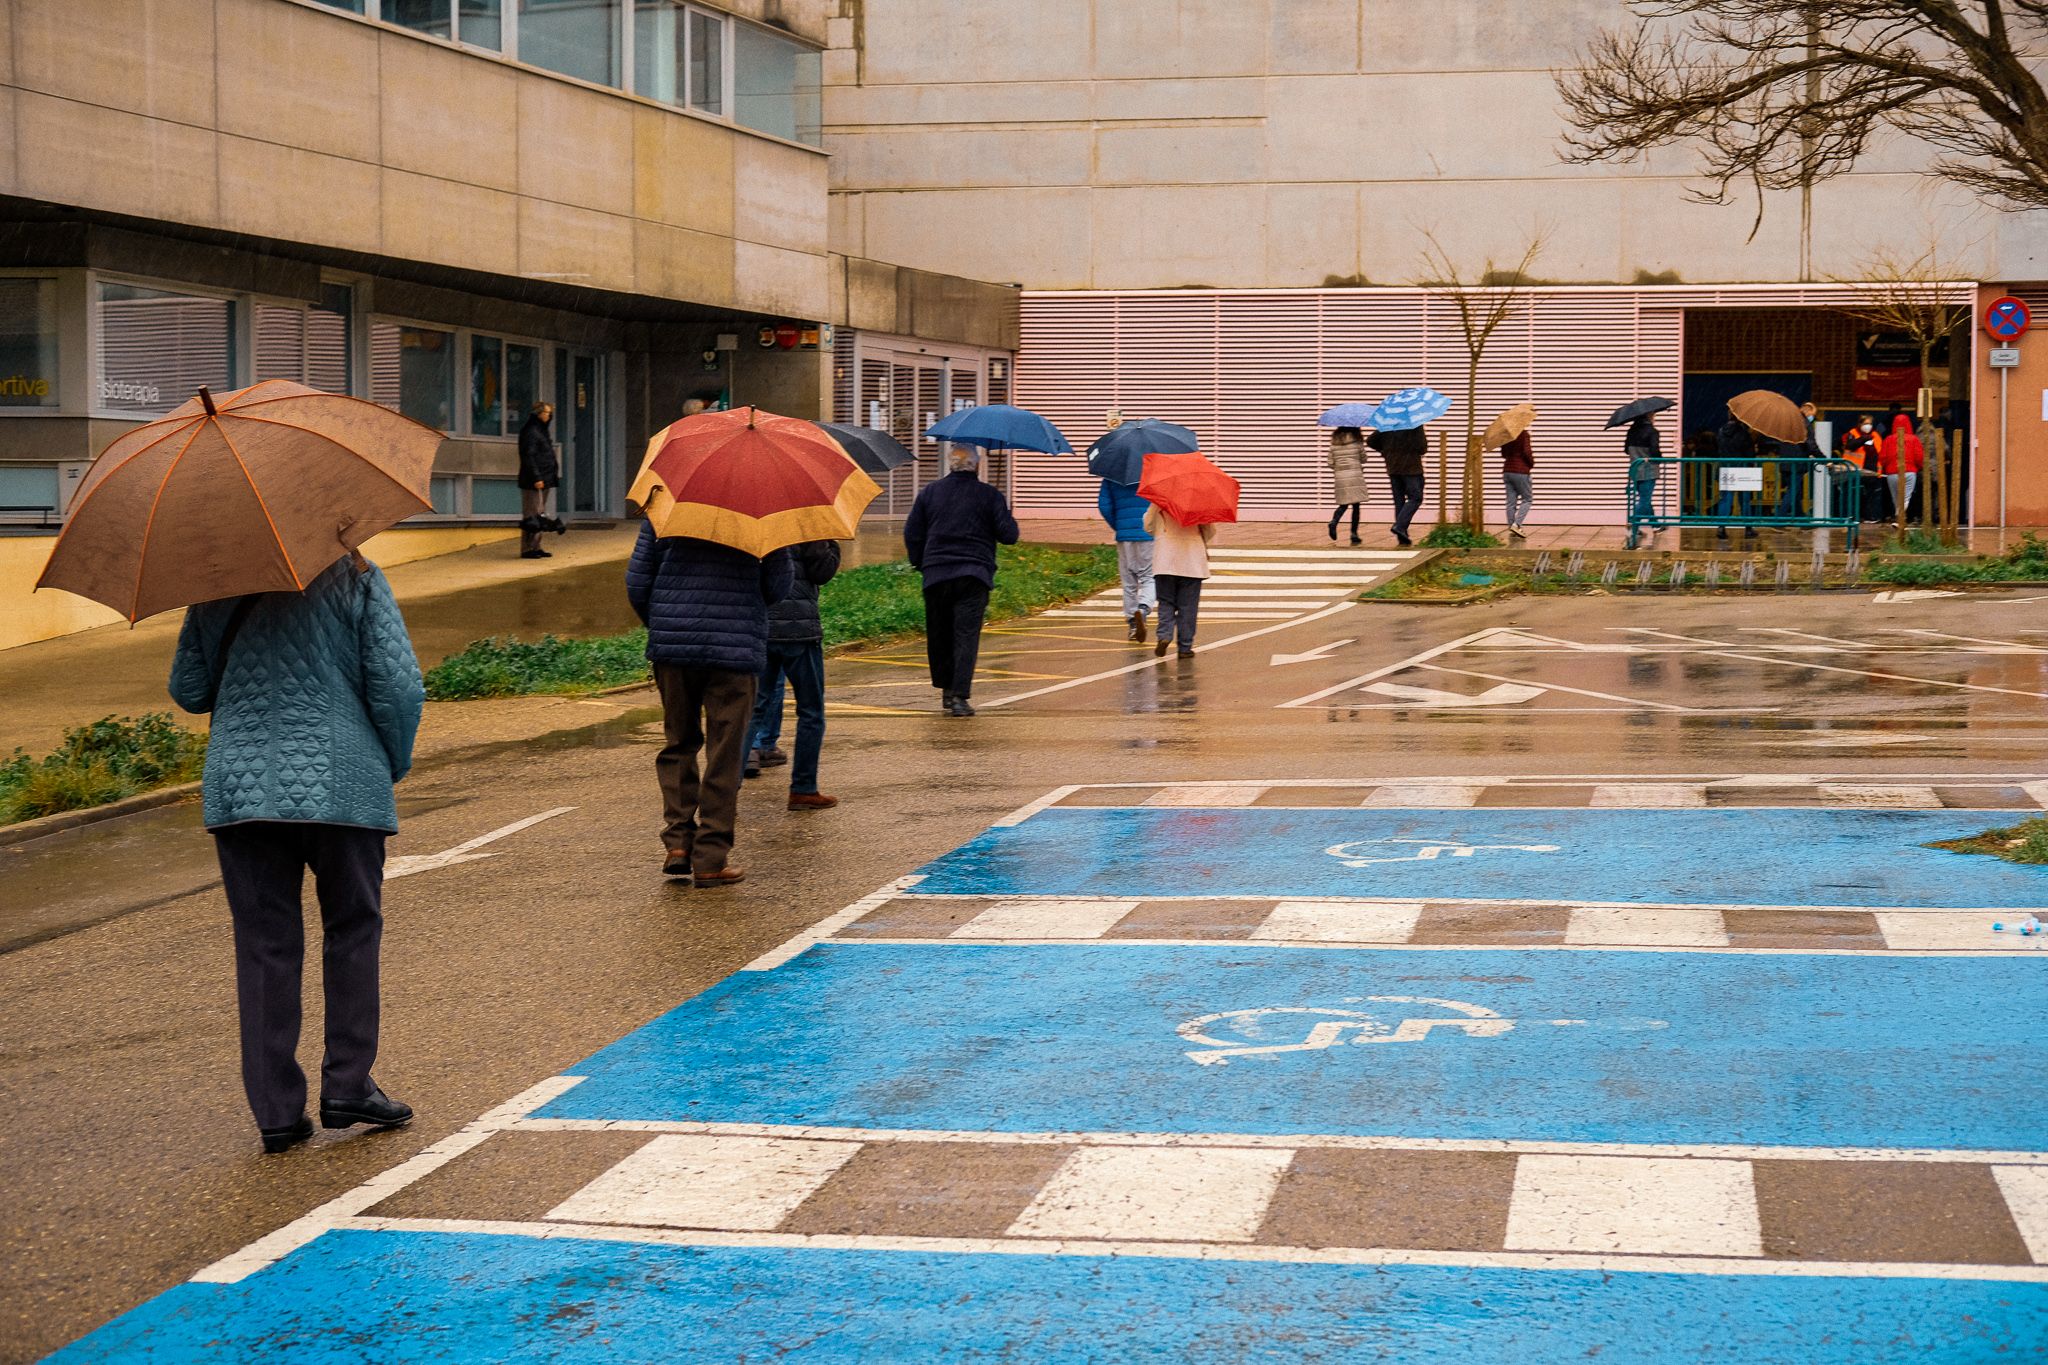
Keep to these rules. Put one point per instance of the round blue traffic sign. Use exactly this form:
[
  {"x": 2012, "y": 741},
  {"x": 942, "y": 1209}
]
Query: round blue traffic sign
[{"x": 2007, "y": 318}]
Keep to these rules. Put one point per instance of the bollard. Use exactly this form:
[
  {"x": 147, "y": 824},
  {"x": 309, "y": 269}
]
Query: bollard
[
  {"x": 1542, "y": 564},
  {"x": 1852, "y": 567},
  {"x": 1610, "y": 573},
  {"x": 1784, "y": 574},
  {"x": 1712, "y": 577},
  {"x": 1575, "y": 564},
  {"x": 1678, "y": 574},
  {"x": 1644, "y": 572},
  {"x": 1749, "y": 573}
]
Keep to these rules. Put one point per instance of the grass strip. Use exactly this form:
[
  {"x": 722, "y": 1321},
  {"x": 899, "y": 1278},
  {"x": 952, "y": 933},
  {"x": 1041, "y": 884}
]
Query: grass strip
[
  {"x": 869, "y": 605},
  {"x": 2024, "y": 562},
  {"x": 108, "y": 760},
  {"x": 2026, "y": 842}
]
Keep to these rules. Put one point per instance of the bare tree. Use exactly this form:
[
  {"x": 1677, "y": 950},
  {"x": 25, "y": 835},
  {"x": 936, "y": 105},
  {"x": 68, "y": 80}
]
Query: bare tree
[
  {"x": 1785, "y": 93},
  {"x": 1909, "y": 295},
  {"x": 1484, "y": 302}
]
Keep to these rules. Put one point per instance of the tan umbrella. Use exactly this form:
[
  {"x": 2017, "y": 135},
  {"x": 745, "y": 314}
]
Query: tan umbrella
[
  {"x": 1508, "y": 426},
  {"x": 258, "y": 490},
  {"x": 1769, "y": 414}
]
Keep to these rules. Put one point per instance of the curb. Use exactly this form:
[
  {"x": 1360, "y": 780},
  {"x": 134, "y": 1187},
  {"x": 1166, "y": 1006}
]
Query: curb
[{"x": 23, "y": 831}]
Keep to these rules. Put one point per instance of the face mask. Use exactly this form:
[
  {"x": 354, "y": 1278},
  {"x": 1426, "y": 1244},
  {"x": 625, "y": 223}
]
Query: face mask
[{"x": 1866, "y": 426}]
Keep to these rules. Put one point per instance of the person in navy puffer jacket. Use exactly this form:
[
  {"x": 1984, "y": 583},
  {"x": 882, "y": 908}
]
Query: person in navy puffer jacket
[
  {"x": 706, "y": 611},
  {"x": 951, "y": 535},
  {"x": 1124, "y": 511}
]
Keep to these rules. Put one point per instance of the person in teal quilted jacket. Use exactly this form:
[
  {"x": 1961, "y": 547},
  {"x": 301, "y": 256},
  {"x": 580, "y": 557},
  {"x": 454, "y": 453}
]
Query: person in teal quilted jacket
[{"x": 316, "y": 698}]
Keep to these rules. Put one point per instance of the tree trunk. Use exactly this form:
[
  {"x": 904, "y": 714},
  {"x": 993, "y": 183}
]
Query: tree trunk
[{"x": 1475, "y": 500}]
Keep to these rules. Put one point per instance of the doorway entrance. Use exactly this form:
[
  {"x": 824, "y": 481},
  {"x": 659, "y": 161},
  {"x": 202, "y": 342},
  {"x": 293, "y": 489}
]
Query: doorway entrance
[{"x": 579, "y": 431}]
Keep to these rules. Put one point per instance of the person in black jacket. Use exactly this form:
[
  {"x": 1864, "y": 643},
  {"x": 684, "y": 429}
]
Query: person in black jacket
[
  {"x": 796, "y": 651},
  {"x": 706, "y": 611},
  {"x": 952, "y": 533},
  {"x": 1734, "y": 445},
  {"x": 540, "y": 473},
  {"x": 1403, "y": 452}
]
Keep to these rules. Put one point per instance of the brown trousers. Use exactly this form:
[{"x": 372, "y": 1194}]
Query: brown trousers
[{"x": 712, "y": 710}]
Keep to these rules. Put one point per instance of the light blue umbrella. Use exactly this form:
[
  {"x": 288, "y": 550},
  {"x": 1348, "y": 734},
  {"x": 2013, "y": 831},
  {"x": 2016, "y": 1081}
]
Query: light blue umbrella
[
  {"x": 996, "y": 426},
  {"x": 1347, "y": 415},
  {"x": 1408, "y": 408}
]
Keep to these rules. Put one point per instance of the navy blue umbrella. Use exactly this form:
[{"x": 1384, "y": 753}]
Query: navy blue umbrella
[
  {"x": 996, "y": 426},
  {"x": 876, "y": 452},
  {"x": 1119, "y": 455},
  {"x": 1642, "y": 407}
]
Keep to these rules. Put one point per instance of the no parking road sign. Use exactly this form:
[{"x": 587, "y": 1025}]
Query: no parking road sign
[{"x": 2007, "y": 319}]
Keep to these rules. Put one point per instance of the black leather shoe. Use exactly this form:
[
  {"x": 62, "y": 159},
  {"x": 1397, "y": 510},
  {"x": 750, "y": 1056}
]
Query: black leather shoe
[
  {"x": 959, "y": 707},
  {"x": 675, "y": 862},
  {"x": 277, "y": 1140},
  {"x": 379, "y": 1111}
]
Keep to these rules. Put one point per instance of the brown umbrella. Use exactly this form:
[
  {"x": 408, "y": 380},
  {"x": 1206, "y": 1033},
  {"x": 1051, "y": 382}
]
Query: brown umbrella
[
  {"x": 1508, "y": 426},
  {"x": 1769, "y": 414},
  {"x": 258, "y": 490}
]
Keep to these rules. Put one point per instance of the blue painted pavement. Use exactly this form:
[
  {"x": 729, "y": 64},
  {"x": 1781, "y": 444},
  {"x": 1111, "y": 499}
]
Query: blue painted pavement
[
  {"x": 424, "y": 1297},
  {"x": 1866, "y": 1051},
  {"x": 1718, "y": 856}
]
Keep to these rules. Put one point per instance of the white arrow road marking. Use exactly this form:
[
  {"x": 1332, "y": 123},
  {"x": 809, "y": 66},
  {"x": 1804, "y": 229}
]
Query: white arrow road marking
[
  {"x": 1845, "y": 741},
  {"x": 465, "y": 852},
  {"x": 1913, "y": 595},
  {"x": 1319, "y": 652},
  {"x": 1501, "y": 694}
]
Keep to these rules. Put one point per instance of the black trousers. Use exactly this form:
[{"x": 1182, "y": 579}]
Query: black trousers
[
  {"x": 1407, "y": 500},
  {"x": 953, "y": 612},
  {"x": 263, "y": 865}
]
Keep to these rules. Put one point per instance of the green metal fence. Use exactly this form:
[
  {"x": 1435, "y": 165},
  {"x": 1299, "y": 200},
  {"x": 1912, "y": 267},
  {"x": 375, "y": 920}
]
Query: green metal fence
[{"x": 1780, "y": 494}]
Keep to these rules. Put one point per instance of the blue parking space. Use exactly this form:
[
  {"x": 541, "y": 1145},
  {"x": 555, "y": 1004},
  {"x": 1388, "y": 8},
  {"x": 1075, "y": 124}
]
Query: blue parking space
[
  {"x": 434, "y": 1297},
  {"x": 1660, "y": 1048},
  {"x": 1719, "y": 856}
]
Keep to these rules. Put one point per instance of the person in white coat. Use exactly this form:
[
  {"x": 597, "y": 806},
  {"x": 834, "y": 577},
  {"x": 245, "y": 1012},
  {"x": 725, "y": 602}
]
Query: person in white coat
[{"x": 1180, "y": 561}]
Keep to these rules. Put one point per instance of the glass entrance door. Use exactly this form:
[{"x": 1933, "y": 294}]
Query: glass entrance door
[{"x": 579, "y": 431}]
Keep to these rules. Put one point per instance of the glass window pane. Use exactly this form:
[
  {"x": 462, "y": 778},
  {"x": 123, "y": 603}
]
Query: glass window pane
[
  {"x": 493, "y": 497},
  {"x": 486, "y": 386},
  {"x": 442, "y": 490},
  {"x": 707, "y": 62},
  {"x": 578, "y": 38},
  {"x": 422, "y": 16},
  {"x": 776, "y": 85},
  {"x": 522, "y": 384},
  {"x": 412, "y": 369},
  {"x": 483, "y": 23},
  {"x": 157, "y": 348},
  {"x": 28, "y": 343},
  {"x": 658, "y": 50},
  {"x": 352, "y": 6}
]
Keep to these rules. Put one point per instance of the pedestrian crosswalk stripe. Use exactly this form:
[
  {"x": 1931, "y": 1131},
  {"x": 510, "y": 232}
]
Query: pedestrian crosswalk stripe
[{"x": 1656, "y": 1206}]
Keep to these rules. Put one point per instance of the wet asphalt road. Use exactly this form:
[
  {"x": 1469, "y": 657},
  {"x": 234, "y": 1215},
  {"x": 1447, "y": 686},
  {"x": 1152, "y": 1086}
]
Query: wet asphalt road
[{"x": 131, "y": 1162}]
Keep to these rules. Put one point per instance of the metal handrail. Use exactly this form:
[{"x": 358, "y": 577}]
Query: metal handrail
[{"x": 1798, "y": 500}]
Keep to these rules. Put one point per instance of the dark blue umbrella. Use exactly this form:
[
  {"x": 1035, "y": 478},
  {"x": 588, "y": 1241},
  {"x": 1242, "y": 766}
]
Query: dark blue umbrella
[
  {"x": 1409, "y": 408},
  {"x": 876, "y": 452},
  {"x": 1642, "y": 407},
  {"x": 996, "y": 426},
  {"x": 1119, "y": 455}
]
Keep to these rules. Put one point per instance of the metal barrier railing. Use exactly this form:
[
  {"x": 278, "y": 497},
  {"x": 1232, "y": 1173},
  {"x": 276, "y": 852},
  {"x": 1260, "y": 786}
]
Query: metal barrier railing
[{"x": 1783, "y": 493}]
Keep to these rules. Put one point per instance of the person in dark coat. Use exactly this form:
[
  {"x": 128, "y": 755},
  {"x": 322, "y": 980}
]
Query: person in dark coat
[
  {"x": 1734, "y": 445},
  {"x": 706, "y": 611},
  {"x": 540, "y": 474},
  {"x": 951, "y": 535},
  {"x": 796, "y": 651},
  {"x": 1517, "y": 466},
  {"x": 1643, "y": 444},
  {"x": 316, "y": 698},
  {"x": 1403, "y": 452}
]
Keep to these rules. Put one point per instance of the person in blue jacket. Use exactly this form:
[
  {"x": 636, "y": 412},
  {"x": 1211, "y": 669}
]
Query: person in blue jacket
[
  {"x": 316, "y": 698},
  {"x": 705, "y": 607},
  {"x": 1125, "y": 512},
  {"x": 951, "y": 536}
]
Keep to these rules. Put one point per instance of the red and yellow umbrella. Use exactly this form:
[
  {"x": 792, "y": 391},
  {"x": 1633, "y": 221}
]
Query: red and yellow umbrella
[
  {"x": 1189, "y": 488},
  {"x": 751, "y": 480}
]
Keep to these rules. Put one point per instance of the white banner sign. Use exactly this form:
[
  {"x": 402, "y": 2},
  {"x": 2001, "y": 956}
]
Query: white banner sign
[{"x": 1747, "y": 479}]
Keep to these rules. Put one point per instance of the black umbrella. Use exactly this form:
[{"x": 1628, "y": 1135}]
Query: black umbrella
[
  {"x": 1642, "y": 407},
  {"x": 1119, "y": 455},
  {"x": 876, "y": 452}
]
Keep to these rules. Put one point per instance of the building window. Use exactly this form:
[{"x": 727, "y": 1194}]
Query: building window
[
  {"x": 308, "y": 346},
  {"x": 489, "y": 497},
  {"x": 412, "y": 369},
  {"x": 707, "y": 63},
  {"x": 504, "y": 381},
  {"x": 157, "y": 348},
  {"x": 776, "y": 85},
  {"x": 28, "y": 343},
  {"x": 679, "y": 55},
  {"x": 479, "y": 23},
  {"x": 577, "y": 38}
]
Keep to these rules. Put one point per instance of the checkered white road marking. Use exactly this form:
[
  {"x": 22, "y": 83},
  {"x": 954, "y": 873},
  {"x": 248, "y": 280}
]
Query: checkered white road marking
[
  {"x": 1047, "y": 919},
  {"x": 1657, "y": 1205},
  {"x": 1339, "y": 922},
  {"x": 1192, "y": 1194},
  {"x": 742, "y": 1184}
]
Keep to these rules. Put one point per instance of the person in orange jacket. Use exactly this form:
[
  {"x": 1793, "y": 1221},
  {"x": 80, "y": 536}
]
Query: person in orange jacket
[{"x": 1900, "y": 459}]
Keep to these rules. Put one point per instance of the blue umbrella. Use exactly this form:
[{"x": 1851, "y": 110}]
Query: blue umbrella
[
  {"x": 1119, "y": 455},
  {"x": 1408, "y": 408},
  {"x": 1000, "y": 426},
  {"x": 1347, "y": 415}
]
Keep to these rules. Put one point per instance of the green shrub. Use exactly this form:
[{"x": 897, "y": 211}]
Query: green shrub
[
  {"x": 509, "y": 668},
  {"x": 1454, "y": 535},
  {"x": 2024, "y": 562},
  {"x": 2026, "y": 842},
  {"x": 105, "y": 761}
]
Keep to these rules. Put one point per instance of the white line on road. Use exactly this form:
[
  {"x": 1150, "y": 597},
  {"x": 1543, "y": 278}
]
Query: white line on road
[
  {"x": 830, "y": 925},
  {"x": 1362, "y": 679},
  {"x": 1318, "y": 653},
  {"x": 464, "y": 852}
]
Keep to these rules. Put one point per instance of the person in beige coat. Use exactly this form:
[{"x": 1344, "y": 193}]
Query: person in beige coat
[
  {"x": 1347, "y": 470},
  {"x": 1180, "y": 561}
]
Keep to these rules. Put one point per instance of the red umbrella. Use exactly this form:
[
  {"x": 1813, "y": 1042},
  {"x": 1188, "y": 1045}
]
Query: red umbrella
[
  {"x": 751, "y": 480},
  {"x": 1189, "y": 488}
]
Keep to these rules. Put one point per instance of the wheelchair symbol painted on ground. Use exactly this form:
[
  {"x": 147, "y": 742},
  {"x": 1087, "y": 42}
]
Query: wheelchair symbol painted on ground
[
  {"x": 1310, "y": 1028},
  {"x": 1425, "y": 850}
]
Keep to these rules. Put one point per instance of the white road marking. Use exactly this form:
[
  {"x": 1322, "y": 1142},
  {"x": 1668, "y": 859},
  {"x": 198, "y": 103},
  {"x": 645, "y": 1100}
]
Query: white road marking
[
  {"x": 1223, "y": 795},
  {"x": 1610, "y": 925},
  {"x": 1033, "y": 919},
  {"x": 1869, "y": 739},
  {"x": 1501, "y": 694},
  {"x": 1649, "y": 795},
  {"x": 1577, "y": 691},
  {"x": 2026, "y": 1193},
  {"x": 1340, "y": 922},
  {"x": 1908, "y": 929},
  {"x": 1912, "y": 595},
  {"x": 1362, "y": 679},
  {"x": 1655, "y": 1206},
  {"x": 1876, "y": 796},
  {"x": 1430, "y": 795},
  {"x": 2034, "y": 945},
  {"x": 1318, "y": 653},
  {"x": 335, "y": 1212},
  {"x": 464, "y": 852},
  {"x": 741, "y": 1184},
  {"x": 1209, "y": 1251},
  {"x": 806, "y": 939},
  {"x": 1193, "y": 1194}
]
